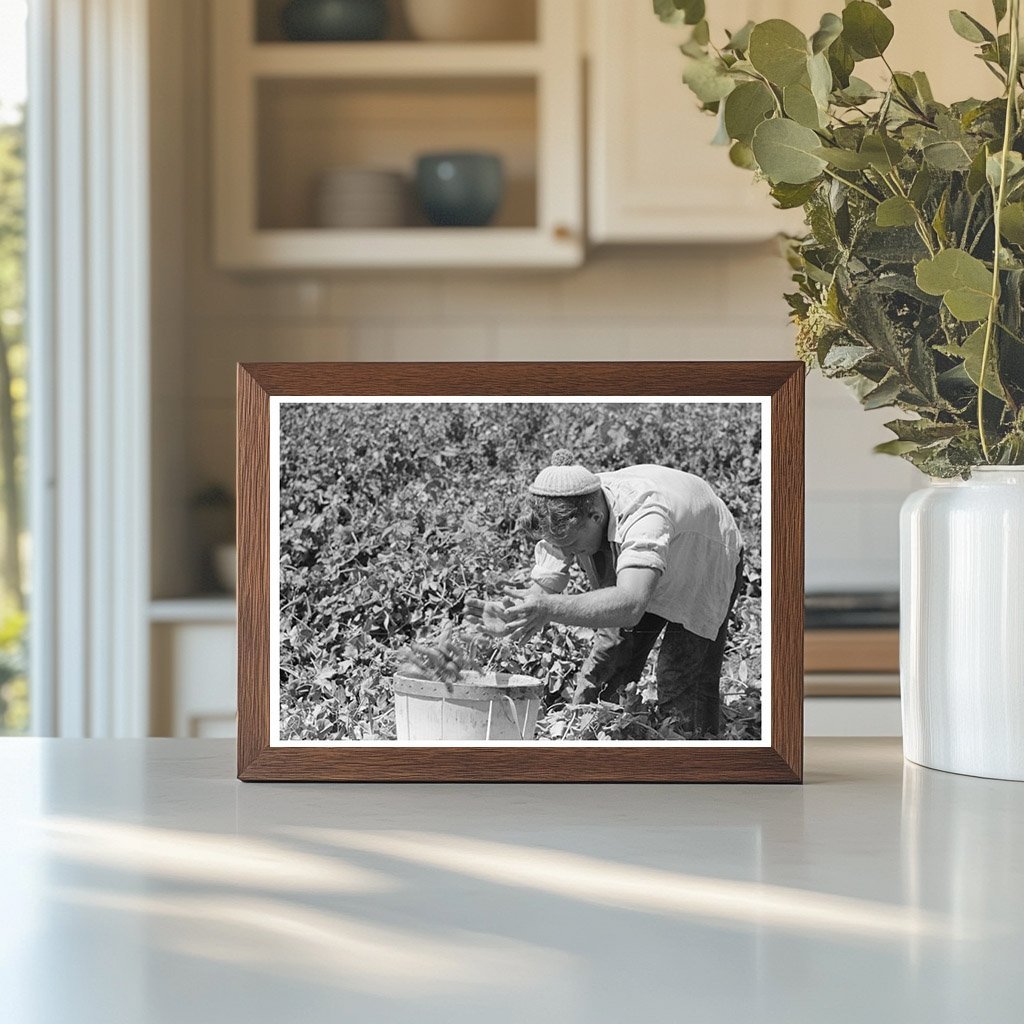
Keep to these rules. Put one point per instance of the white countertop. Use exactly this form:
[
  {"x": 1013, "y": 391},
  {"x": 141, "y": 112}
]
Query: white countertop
[{"x": 143, "y": 885}]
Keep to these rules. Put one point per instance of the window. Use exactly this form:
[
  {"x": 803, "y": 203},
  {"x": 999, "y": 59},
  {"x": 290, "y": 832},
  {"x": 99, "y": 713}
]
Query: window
[{"x": 14, "y": 548}]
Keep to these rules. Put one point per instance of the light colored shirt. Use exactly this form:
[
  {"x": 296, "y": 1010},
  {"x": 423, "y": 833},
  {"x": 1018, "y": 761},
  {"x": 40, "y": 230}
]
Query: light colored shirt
[{"x": 670, "y": 521}]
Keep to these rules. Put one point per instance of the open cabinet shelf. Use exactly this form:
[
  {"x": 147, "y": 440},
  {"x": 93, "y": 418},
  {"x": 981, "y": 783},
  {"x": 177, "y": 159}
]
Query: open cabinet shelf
[
  {"x": 394, "y": 60},
  {"x": 287, "y": 114}
]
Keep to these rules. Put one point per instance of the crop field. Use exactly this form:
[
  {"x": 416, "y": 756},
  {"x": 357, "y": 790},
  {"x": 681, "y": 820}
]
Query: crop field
[{"x": 392, "y": 513}]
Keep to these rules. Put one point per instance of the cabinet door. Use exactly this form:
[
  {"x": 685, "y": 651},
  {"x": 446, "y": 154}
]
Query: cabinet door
[{"x": 653, "y": 174}]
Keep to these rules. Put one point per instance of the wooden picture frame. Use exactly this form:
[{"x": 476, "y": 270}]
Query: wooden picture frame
[{"x": 778, "y": 757}]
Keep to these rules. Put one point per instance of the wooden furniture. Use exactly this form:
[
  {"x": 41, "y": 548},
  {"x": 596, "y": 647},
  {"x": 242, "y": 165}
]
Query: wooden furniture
[
  {"x": 851, "y": 662},
  {"x": 653, "y": 175},
  {"x": 851, "y": 682},
  {"x": 285, "y": 112}
]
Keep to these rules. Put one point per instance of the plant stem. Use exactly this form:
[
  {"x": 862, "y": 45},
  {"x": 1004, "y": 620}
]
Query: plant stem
[
  {"x": 850, "y": 184},
  {"x": 993, "y": 308},
  {"x": 1012, "y": 334},
  {"x": 922, "y": 225},
  {"x": 768, "y": 86},
  {"x": 981, "y": 231}
]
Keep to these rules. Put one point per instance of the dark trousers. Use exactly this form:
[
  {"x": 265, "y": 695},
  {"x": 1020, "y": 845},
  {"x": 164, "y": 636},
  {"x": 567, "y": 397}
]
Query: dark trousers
[{"x": 689, "y": 669}]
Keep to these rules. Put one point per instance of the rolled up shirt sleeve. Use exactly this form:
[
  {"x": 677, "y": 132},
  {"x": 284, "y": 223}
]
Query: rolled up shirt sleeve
[
  {"x": 643, "y": 542},
  {"x": 550, "y": 567}
]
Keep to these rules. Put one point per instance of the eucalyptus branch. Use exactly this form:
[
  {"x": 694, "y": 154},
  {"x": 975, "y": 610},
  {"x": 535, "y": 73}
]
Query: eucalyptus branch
[
  {"x": 1006, "y": 330},
  {"x": 977, "y": 238},
  {"x": 853, "y": 185},
  {"x": 1000, "y": 198},
  {"x": 771, "y": 89},
  {"x": 923, "y": 228},
  {"x": 969, "y": 217}
]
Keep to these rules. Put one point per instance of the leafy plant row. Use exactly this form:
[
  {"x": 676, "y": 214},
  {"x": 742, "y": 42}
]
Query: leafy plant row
[{"x": 391, "y": 513}]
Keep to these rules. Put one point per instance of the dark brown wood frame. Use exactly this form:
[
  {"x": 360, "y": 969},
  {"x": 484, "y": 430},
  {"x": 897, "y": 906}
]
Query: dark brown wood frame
[{"x": 780, "y": 762}]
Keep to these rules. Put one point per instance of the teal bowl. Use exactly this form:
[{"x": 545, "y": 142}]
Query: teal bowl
[
  {"x": 333, "y": 21},
  {"x": 462, "y": 190}
]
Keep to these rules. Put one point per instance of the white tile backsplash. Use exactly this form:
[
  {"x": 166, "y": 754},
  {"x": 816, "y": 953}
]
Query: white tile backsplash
[{"x": 718, "y": 302}]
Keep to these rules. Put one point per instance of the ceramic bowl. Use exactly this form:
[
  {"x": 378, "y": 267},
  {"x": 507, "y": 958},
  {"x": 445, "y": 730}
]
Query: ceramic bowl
[
  {"x": 334, "y": 20},
  {"x": 358, "y": 197},
  {"x": 460, "y": 189},
  {"x": 470, "y": 20}
]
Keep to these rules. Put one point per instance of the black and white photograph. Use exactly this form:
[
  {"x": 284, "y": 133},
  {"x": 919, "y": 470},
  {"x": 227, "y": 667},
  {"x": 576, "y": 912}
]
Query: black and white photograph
[{"x": 455, "y": 571}]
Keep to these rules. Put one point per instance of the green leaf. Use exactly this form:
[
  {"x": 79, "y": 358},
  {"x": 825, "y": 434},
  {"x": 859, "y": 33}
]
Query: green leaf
[
  {"x": 676, "y": 12},
  {"x": 841, "y": 60},
  {"x": 883, "y": 153},
  {"x": 946, "y": 156},
  {"x": 694, "y": 11},
  {"x": 742, "y": 155},
  {"x": 820, "y": 76},
  {"x": 885, "y": 394},
  {"x": 963, "y": 281},
  {"x": 1014, "y": 169},
  {"x": 924, "y": 88},
  {"x": 800, "y": 105},
  {"x": 976, "y": 174},
  {"x": 866, "y": 29},
  {"x": 830, "y": 28},
  {"x": 739, "y": 41},
  {"x": 895, "y": 447},
  {"x": 971, "y": 352},
  {"x": 1012, "y": 223},
  {"x": 906, "y": 88},
  {"x": 789, "y": 197},
  {"x": 785, "y": 152},
  {"x": 707, "y": 80},
  {"x": 939, "y": 220},
  {"x": 745, "y": 108},
  {"x": 923, "y": 431},
  {"x": 859, "y": 91},
  {"x": 896, "y": 212},
  {"x": 969, "y": 28},
  {"x": 778, "y": 50},
  {"x": 667, "y": 11},
  {"x": 691, "y": 48},
  {"x": 921, "y": 185},
  {"x": 844, "y": 159}
]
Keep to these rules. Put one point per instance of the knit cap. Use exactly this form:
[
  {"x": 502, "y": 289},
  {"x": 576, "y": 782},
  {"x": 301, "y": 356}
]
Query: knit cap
[{"x": 564, "y": 478}]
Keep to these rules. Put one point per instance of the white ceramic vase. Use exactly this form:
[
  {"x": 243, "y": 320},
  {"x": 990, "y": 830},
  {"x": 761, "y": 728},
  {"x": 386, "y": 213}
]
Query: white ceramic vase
[{"x": 962, "y": 624}]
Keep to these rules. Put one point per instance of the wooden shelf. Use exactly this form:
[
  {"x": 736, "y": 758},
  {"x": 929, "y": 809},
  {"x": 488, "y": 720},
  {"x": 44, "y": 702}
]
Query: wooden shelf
[
  {"x": 401, "y": 247},
  {"x": 852, "y": 650},
  {"x": 851, "y": 684},
  {"x": 204, "y": 608},
  {"x": 286, "y": 112},
  {"x": 393, "y": 60}
]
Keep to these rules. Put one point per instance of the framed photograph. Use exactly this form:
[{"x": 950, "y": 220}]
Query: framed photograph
[{"x": 518, "y": 572}]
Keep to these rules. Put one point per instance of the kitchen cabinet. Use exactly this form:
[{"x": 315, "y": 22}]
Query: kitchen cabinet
[
  {"x": 653, "y": 175},
  {"x": 287, "y": 113},
  {"x": 192, "y": 649}
]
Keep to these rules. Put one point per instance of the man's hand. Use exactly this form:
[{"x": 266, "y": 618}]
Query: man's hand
[
  {"x": 485, "y": 613},
  {"x": 524, "y": 612}
]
